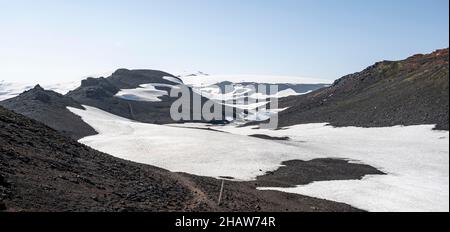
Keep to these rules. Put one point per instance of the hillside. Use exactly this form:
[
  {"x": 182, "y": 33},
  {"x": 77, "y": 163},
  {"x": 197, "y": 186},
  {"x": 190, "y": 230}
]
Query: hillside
[
  {"x": 41, "y": 170},
  {"x": 408, "y": 92},
  {"x": 101, "y": 93},
  {"x": 49, "y": 107},
  {"x": 141, "y": 95}
]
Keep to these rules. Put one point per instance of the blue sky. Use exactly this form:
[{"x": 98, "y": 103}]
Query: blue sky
[{"x": 326, "y": 39}]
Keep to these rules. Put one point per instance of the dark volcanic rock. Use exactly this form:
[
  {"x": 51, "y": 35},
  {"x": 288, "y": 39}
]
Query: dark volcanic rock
[
  {"x": 3, "y": 181},
  {"x": 50, "y": 108},
  {"x": 2, "y": 206},
  {"x": 129, "y": 79},
  {"x": 408, "y": 92},
  {"x": 261, "y": 136},
  {"x": 298, "y": 172},
  {"x": 98, "y": 88},
  {"x": 49, "y": 172}
]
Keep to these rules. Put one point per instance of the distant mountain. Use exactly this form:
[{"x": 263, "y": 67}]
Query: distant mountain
[
  {"x": 49, "y": 107},
  {"x": 251, "y": 95},
  {"x": 243, "y": 91},
  {"x": 9, "y": 90},
  {"x": 197, "y": 74},
  {"x": 284, "y": 89},
  {"x": 201, "y": 79},
  {"x": 408, "y": 92},
  {"x": 141, "y": 95}
]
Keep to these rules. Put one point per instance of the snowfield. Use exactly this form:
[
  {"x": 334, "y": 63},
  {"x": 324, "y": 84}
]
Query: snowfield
[
  {"x": 246, "y": 97},
  {"x": 195, "y": 151},
  {"x": 415, "y": 158},
  {"x": 242, "y": 92}
]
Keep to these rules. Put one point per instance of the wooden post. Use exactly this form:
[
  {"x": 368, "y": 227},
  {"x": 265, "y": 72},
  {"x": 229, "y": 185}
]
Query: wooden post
[{"x": 221, "y": 192}]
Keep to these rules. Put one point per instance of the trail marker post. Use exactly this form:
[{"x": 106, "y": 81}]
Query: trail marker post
[{"x": 221, "y": 192}]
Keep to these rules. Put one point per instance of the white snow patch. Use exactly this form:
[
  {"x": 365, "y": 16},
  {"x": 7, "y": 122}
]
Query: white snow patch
[
  {"x": 172, "y": 79},
  {"x": 200, "y": 152},
  {"x": 241, "y": 92},
  {"x": 415, "y": 158},
  {"x": 145, "y": 92},
  {"x": 245, "y": 98}
]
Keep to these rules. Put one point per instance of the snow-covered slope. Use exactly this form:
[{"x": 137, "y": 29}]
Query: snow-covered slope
[
  {"x": 202, "y": 79},
  {"x": 243, "y": 96},
  {"x": 12, "y": 89},
  {"x": 150, "y": 92},
  {"x": 415, "y": 158},
  {"x": 195, "y": 151},
  {"x": 243, "y": 91},
  {"x": 145, "y": 92}
]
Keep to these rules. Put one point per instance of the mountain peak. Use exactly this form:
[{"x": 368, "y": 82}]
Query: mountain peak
[
  {"x": 38, "y": 93},
  {"x": 38, "y": 87},
  {"x": 121, "y": 71}
]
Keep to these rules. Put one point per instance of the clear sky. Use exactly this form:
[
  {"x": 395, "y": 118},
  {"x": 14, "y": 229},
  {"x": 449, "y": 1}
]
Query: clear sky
[{"x": 64, "y": 39}]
